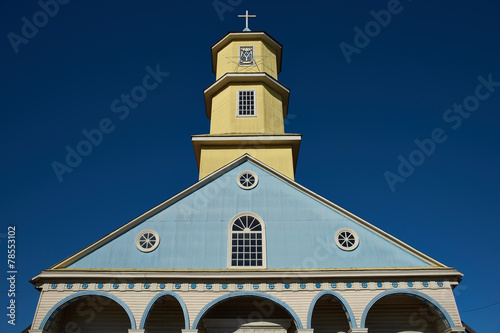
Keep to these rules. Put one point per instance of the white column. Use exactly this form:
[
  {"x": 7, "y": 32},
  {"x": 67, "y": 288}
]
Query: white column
[
  {"x": 305, "y": 330},
  {"x": 35, "y": 331},
  {"x": 189, "y": 331},
  {"x": 136, "y": 331},
  {"x": 358, "y": 330}
]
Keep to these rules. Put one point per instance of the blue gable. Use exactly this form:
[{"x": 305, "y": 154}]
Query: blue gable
[{"x": 300, "y": 231}]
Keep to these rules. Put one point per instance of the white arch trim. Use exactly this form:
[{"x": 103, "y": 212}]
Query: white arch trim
[
  {"x": 153, "y": 302},
  {"x": 238, "y": 294},
  {"x": 343, "y": 303},
  {"x": 49, "y": 317},
  {"x": 429, "y": 301}
]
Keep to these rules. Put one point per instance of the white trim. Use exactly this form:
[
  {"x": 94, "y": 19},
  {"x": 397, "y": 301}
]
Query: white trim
[
  {"x": 245, "y": 34},
  {"x": 238, "y": 115},
  {"x": 155, "y": 245},
  {"x": 420, "y": 273},
  {"x": 343, "y": 247},
  {"x": 247, "y": 187},
  {"x": 230, "y": 238},
  {"x": 260, "y": 138},
  {"x": 252, "y": 77}
]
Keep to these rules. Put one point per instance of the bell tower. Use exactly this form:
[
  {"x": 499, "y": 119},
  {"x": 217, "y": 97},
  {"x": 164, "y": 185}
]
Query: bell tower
[{"x": 246, "y": 106}]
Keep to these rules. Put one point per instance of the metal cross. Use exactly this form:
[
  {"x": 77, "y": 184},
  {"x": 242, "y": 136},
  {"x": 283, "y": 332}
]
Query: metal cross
[{"x": 246, "y": 16}]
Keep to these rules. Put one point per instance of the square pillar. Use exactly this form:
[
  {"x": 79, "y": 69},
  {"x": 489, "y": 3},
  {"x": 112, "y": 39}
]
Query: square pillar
[
  {"x": 305, "y": 330},
  {"x": 189, "y": 331},
  {"x": 136, "y": 331},
  {"x": 358, "y": 330}
]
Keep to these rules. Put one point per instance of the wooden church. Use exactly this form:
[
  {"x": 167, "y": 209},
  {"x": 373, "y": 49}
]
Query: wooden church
[{"x": 247, "y": 249}]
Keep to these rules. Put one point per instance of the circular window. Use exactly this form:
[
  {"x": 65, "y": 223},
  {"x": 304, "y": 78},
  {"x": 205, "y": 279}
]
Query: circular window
[
  {"x": 247, "y": 180},
  {"x": 347, "y": 239},
  {"x": 147, "y": 240}
]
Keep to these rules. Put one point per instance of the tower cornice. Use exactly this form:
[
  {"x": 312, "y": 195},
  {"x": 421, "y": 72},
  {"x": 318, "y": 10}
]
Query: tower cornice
[{"x": 245, "y": 78}]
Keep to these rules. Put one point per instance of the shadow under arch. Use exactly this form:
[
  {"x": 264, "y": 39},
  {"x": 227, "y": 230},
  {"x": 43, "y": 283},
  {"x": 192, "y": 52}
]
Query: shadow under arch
[
  {"x": 429, "y": 301},
  {"x": 159, "y": 296},
  {"x": 237, "y": 294},
  {"x": 49, "y": 317},
  {"x": 343, "y": 303}
]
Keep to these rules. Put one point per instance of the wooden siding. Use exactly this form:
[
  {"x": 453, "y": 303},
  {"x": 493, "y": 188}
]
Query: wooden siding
[
  {"x": 92, "y": 314},
  {"x": 329, "y": 317},
  {"x": 299, "y": 300},
  {"x": 395, "y": 314},
  {"x": 165, "y": 317}
]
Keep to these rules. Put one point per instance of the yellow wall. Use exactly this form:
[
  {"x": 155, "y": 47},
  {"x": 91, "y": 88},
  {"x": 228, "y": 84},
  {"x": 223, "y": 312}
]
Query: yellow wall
[
  {"x": 278, "y": 158},
  {"x": 269, "y": 112},
  {"x": 265, "y": 59}
]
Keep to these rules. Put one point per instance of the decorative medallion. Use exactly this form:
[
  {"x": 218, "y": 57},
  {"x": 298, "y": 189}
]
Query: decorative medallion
[
  {"x": 146, "y": 285},
  {"x": 271, "y": 286},
  {"x": 364, "y": 285},
  {"x": 177, "y": 286},
  {"x": 333, "y": 285},
  {"x": 224, "y": 286},
  {"x": 147, "y": 240},
  {"x": 208, "y": 286},
  {"x": 247, "y": 180},
  {"x": 69, "y": 285},
  {"x": 115, "y": 285},
  {"x": 346, "y": 239}
]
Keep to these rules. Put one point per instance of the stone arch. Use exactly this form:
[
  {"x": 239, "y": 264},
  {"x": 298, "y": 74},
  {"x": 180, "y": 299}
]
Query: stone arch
[
  {"x": 343, "y": 303},
  {"x": 52, "y": 313},
  {"x": 237, "y": 294},
  {"x": 427, "y": 300},
  {"x": 159, "y": 296}
]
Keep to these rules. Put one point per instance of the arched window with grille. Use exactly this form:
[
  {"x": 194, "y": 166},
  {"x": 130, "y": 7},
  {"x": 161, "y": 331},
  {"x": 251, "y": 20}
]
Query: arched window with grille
[{"x": 247, "y": 242}]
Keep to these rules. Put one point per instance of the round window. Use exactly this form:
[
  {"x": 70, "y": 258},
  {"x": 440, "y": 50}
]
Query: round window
[
  {"x": 147, "y": 240},
  {"x": 247, "y": 180},
  {"x": 347, "y": 239}
]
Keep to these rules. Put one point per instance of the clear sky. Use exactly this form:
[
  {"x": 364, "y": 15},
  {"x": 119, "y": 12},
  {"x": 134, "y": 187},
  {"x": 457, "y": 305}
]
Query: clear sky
[{"x": 366, "y": 103}]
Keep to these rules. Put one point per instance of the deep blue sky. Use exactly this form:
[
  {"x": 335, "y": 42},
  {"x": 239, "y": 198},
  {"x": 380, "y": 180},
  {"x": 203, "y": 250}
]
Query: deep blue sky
[{"x": 356, "y": 119}]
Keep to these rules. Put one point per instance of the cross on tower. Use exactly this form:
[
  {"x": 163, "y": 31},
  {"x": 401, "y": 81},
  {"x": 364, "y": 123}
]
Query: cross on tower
[{"x": 246, "y": 16}]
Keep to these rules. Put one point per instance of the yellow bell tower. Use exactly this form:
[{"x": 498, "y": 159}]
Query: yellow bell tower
[{"x": 247, "y": 106}]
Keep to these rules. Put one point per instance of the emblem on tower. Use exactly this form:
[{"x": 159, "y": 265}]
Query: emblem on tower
[{"x": 246, "y": 56}]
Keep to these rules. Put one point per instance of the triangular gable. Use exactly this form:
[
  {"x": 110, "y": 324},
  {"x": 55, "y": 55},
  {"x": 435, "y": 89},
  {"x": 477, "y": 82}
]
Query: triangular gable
[{"x": 300, "y": 226}]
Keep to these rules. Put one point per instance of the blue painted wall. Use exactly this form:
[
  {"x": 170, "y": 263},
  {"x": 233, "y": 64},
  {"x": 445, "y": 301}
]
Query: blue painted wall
[{"x": 300, "y": 231}]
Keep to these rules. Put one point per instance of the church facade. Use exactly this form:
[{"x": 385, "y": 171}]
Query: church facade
[{"x": 247, "y": 249}]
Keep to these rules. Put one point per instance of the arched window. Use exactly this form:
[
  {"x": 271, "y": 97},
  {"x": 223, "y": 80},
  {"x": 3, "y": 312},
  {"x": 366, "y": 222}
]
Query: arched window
[{"x": 247, "y": 242}]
